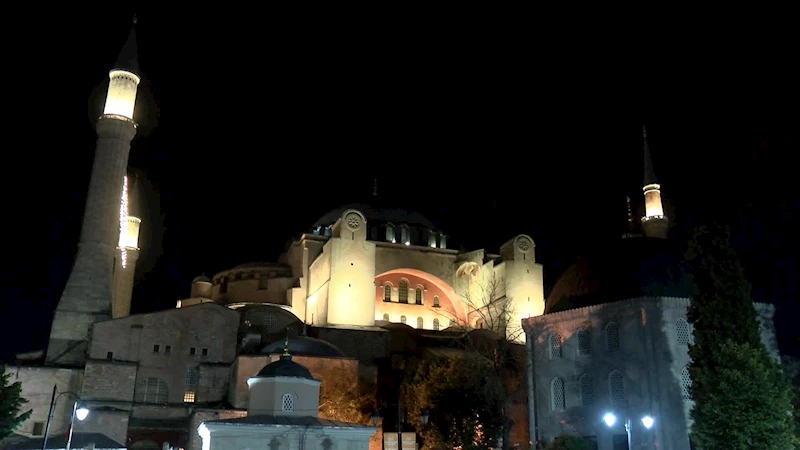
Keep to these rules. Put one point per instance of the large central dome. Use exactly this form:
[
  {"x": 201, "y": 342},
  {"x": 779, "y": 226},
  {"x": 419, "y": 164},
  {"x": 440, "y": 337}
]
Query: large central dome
[
  {"x": 395, "y": 216},
  {"x": 636, "y": 267}
]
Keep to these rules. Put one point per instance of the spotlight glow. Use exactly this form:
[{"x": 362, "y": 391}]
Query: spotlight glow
[
  {"x": 648, "y": 422},
  {"x": 610, "y": 419}
]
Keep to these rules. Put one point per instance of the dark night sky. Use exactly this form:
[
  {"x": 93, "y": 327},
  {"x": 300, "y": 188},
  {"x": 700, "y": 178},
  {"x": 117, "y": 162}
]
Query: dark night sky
[{"x": 253, "y": 128}]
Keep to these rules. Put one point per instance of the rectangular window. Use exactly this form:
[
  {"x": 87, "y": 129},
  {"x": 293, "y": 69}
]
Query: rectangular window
[
  {"x": 192, "y": 351},
  {"x": 110, "y": 356},
  {"x": 155, "y": 348},
  {"x": 205, "y": 352},
  {"x": 168, "y": 349},
  {"x": 38, "y": 428},
  {"x": 188, "y": 396}
]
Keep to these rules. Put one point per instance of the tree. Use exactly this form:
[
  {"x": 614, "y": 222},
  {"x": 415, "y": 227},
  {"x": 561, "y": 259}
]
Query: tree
[
  {"x": 569, "y": 442},
  {"x": 464, "y": 400},
  {"x": 488, "y": 308},
  {"x": 727, "y": 351},
  {"x": 346, "y": 398},
  {"x": 11, "y": 403}
]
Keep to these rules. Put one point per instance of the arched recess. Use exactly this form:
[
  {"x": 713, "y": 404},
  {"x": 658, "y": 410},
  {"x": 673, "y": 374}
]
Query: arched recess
[{"x": 450, "y": 304}]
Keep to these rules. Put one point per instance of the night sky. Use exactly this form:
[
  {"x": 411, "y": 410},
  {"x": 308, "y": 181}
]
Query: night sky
[{"x": 252, "y": 129}]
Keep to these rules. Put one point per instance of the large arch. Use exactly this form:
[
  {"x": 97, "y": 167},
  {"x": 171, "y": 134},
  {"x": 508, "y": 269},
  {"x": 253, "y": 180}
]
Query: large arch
[{"x": 450, "y": 304}]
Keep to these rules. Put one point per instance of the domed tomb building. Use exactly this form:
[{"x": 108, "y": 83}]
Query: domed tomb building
[{"x": 614, "y": 339}]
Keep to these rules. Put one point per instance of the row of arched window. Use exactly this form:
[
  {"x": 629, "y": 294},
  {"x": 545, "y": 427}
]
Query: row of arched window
[
  {"x": 420, "y": 321},
  {"x": 403, "y": 292},
  {"x": 616, "y": 390},
  {"x": 555, "y": 343}
]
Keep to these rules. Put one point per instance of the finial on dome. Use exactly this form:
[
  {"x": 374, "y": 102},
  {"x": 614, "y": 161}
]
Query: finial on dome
[
  {"x": 134, "y": 19},
  {"x": 286, "y": 344}
]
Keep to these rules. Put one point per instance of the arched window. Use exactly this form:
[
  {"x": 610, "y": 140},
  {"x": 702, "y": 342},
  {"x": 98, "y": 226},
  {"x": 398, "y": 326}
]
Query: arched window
[
  {"x": 386, "y": 317},
  {"x": 436, "y": 324},
  {"x": 418, "y": 295},
  {"x": 554, "y": 350},
  {"x": 682, "y": 331},
  {"x": 287, "y": 404},
  {"x": 402, "y": 319},
  {"x": 557, "y": 395},
  {"x": 686, "y": 383},
  {"x": 612, "y": 337},
  {"x": 419, "y": 322},
  {"x": 587, "y": 390},
  {"x": 152, "y": 390},
  {"x": 584, "y": 342},
  {"x": 616, "y": 387},
  {"x": 387, "y": 293},
  {"x": 403, "y": 294},
  {"x": 435, "y": 301}
]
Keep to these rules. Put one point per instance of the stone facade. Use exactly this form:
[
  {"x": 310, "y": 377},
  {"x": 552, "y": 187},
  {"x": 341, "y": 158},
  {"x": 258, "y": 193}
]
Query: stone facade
[{"x": 627, "y": 357}]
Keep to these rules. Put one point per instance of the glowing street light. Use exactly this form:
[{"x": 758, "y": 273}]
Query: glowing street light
[{"x": 610, "y": 419}]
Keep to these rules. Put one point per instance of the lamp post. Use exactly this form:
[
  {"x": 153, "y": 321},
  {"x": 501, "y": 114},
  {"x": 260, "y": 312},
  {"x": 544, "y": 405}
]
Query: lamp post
[
  {"x": 647, "y": 420},
  {"x": 79, "y": 412},
  {"x": 423, "y": 417}
]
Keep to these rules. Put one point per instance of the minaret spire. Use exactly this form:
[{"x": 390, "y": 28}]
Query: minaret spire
[
  {"x": 654, "y": 222},
  {"x": 87, "y": 296},
  {"x": 649, "y": 173}
]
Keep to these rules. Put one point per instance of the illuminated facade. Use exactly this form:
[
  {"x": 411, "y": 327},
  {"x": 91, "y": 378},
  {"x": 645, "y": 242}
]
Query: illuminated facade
[{"x": 125, "y": 258}]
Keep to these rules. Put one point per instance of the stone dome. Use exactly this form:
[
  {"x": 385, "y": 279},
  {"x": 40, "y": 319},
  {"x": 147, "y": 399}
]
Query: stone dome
[
  {"x": 285, "y": 367},
  {"x": 305, "y": 346},
  {"x": 636, "y": 267},
  {"x": 201, "y": 279},
  {"x": 382, "y": 215}
]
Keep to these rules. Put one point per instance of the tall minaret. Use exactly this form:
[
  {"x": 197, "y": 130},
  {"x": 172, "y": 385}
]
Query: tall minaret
[
  {"x": 654, "y": 223},
  {"x": 87, "y": 296},
  {"x": 125, "y": 258}
]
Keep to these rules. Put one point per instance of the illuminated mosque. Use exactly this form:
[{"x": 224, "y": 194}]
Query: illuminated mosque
[{"x": 358, "y": 290}]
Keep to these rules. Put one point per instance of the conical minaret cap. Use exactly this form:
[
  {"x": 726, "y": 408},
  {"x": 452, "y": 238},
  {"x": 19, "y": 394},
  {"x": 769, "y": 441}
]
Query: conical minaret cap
[
  {"x": 128, "y": 58},
  {"x": 649, "y": 173}
]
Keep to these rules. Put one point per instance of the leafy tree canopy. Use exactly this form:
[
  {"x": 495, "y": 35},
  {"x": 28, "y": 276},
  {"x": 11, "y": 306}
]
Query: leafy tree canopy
[
  {"x": 464, "y": 399},
  {"x": 747, "y": 403},
  {"x": 741, "y": 397},
  {"x": 10, "y": 404}
]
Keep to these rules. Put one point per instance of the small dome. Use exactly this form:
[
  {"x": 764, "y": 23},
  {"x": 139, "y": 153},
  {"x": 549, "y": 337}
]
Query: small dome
[
  {"x": 304, "y": 346},
  {"x": 640, "y": 267},
  {"x": 202, "y": 279},
  {"x": 285, "y": 367}
]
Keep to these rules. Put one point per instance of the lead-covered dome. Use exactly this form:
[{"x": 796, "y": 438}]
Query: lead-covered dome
[
  {"x": 636, "y": 267},
  {"x": 382, "y": 215},
  {"x": 285, "y": 367},
  {"x": 304, "y": 346}
]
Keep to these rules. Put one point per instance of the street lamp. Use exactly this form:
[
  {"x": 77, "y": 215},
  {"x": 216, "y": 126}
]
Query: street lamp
[
  {"x": 424, "y": 416},
  {"x": 79, "y": 412},
  {"x": 610, "y": 419}
]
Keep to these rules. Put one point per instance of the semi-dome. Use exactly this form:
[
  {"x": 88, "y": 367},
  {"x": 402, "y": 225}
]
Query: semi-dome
[
  {"x": 632, "y": 268},
  {"x": 396, "y": 216},
  {"x": 285, "y": 367},
  {"x": 305, "y": 346}
]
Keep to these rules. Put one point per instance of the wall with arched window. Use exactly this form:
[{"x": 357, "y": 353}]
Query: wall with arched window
[{"x": 419, "y": 296}]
